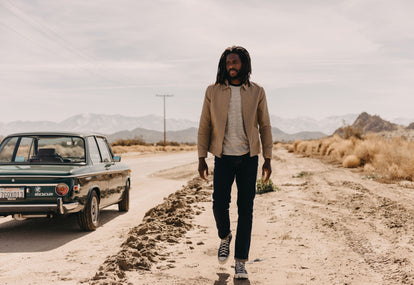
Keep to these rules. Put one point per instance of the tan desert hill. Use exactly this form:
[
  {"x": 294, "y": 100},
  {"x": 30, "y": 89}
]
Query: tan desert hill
[{"x": 366, "y": 123}]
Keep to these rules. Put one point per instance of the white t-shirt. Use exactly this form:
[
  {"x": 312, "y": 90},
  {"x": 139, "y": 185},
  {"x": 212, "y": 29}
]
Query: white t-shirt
[{"x": 235, "y": 138}]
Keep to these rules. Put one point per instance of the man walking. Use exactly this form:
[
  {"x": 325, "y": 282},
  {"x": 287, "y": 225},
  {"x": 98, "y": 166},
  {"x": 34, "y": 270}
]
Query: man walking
[{"x": 234, "y": 114}]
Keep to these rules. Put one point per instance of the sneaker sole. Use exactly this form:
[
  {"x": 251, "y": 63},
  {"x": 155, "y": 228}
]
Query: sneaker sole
[
  {"x": 223, "y": 261},
  {"x": 241, "y": 276}
]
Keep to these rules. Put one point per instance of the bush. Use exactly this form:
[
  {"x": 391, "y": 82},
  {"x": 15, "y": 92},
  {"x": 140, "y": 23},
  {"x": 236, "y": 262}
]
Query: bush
[
  {"x": 391, "y": 159},
  {"x": 129, "y": 142},
  {"x": 347, "y": 132},
  {"x": 351, "y": 161},
  {"x": 170, "y": 143},
  {"x": 265, "y": 187}
]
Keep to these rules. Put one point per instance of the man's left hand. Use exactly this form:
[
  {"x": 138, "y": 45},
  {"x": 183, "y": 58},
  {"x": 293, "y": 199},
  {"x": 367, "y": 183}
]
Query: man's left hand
[{"x": 266, "y": 170}]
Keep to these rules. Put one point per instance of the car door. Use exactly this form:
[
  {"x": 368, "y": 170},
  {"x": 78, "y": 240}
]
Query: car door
[
  {"x": 99, "y": 174},
  {"x": 113, "y": 193}
]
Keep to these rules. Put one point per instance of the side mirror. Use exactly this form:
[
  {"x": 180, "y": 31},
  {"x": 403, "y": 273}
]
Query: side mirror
[{"x": 117, "y": 158}]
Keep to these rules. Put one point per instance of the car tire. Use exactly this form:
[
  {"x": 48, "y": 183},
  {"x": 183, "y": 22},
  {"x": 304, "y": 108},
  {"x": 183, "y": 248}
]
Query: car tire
[
  {"x": 123, "y": 205},
  {"x": 89, "y": 217}
]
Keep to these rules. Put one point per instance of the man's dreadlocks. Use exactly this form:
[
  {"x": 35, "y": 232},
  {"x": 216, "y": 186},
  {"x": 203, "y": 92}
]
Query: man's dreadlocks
[{"x": 245, "y": 70}]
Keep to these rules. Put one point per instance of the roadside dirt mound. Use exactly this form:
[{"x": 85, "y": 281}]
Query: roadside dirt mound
[{"x": 162, "y": 225}]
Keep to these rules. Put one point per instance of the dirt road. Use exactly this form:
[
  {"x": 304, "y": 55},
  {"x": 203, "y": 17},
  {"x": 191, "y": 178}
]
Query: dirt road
[
  {"x": 327, "y": 225},
  {"x": 54, "y": 251}
]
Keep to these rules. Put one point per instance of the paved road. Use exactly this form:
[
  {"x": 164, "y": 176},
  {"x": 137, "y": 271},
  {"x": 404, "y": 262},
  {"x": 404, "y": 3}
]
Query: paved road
[{"x": 46, "y": 251}]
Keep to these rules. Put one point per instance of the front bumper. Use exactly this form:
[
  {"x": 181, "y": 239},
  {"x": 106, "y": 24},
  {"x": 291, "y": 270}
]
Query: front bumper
[{"x": 58, "y": 208}]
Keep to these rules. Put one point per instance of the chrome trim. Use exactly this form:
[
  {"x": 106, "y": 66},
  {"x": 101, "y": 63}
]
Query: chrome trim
[
  {"x": 62, "y": 176},
  {"x": 60, "y": 206},
  {"x": 21, "y": 217},
  {"x": 28, "y": 184},
  {"x": 68, "y": 206}
]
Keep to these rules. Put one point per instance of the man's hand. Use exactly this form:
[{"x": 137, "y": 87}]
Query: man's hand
[
  {"x": 266, "y": 170},
  {"x": 202, "y": 168}
]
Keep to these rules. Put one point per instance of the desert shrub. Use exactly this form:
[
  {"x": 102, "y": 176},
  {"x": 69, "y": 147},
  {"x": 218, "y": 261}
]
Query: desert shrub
[
  {"x": 368, "y": 168},
  {"x": 347, "y": 132},
  {"x": 302, "y": 146},
  {"x": 313, "y": 147},
  {"x": 265, "y": 187},
  {"x": 351, "y": 161},
  {"x": 295, "y": 145},
  {"x": 391, "y": 159},
  {"x": 302, "y": 174},
  {"x": 343, "y": 148},
  {"x": 167, "y": 143},
  {"x": 325, "y": 145},
  {"x": 129, "y": 142}
]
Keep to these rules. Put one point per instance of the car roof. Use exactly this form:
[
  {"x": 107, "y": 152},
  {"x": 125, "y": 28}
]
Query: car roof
[{"x": 77, "y": 134}]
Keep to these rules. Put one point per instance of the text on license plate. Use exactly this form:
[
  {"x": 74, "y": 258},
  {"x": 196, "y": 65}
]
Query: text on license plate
[{"x": 12, "y": 193}]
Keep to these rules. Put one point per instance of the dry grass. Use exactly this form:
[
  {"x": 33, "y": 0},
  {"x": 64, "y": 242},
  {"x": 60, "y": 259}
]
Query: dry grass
[
  {"x": 351, "y": 161},
  {"x": 129, "y": 142},
  {"x": 139, "y": 145},
  {"x": 150, "y": 148},
  {"x": 389, "y": 159}
]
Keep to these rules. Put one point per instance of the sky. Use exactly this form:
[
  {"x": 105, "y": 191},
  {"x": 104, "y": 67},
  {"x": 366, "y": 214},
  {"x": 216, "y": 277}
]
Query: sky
[{"x": 314, "y": 58}]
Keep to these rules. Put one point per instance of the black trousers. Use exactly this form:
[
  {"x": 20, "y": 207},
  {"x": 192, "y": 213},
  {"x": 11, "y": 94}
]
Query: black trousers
[{"x": 244, "y": 169}]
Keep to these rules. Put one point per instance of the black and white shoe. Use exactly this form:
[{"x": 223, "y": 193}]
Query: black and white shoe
[
  {"x": 224, "y": 249},
  {"x": 240, "y": 270}
]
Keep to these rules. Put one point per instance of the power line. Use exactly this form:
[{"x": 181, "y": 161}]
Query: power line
[{"x": 53, "y": 36}]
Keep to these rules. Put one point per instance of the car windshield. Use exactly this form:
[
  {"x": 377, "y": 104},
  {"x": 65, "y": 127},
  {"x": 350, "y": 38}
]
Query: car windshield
[{"x": 42, "y": 150}]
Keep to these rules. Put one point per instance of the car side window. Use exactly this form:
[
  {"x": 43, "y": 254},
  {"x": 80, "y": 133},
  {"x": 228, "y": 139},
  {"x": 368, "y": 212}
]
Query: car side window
[
  {"x": 103, "y": 147},
  {"x": 7, "y": 150},
  {"x": 93, "y": 150},
  {"x": 24, "y": 150}
]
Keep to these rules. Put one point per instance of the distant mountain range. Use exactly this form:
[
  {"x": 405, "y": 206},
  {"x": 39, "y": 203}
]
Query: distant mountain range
[
  {"x": 150, "y": 128},
  {"x": 105, "y": 124},
  {"x": 300, "y": 124},
  {"x": 190, "y": 135}
]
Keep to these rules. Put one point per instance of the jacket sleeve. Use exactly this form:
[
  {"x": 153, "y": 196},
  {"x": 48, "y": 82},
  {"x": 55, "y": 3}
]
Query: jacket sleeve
[
  {"x": 204, "y": 129},
  {"x": 265, "y": 128}
]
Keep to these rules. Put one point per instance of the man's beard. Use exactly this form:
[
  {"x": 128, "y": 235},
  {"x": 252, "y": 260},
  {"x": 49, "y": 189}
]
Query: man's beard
[{"x": 237, "y": 76}]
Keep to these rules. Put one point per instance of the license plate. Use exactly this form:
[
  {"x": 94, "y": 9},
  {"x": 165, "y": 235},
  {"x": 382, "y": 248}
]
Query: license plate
[{"x": 13, "y": 193}]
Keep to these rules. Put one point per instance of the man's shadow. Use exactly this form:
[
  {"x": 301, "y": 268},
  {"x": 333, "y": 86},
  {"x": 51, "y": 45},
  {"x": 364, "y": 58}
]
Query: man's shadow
[{"x": 223, "y": 279}]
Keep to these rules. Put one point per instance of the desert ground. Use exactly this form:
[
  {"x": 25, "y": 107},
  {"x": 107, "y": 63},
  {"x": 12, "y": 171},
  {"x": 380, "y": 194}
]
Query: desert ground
[
  {"x": 326, "y": 225},
  {"x": 55, "y": 251}
]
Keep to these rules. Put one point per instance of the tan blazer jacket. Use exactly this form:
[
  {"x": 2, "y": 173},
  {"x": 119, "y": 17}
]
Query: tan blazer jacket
[{"x": 214, "y": 118}]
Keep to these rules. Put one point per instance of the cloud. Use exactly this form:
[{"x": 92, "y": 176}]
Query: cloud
[{"x": 317, "y": 52}]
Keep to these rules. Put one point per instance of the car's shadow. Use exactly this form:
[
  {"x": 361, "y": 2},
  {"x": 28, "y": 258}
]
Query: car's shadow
[{"x": 37, "y": 235}]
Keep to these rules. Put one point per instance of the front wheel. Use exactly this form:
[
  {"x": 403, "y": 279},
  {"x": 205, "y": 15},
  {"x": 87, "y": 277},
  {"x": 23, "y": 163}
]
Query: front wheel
[
  {"x": 88, "y": 218},
  {"x": 123, "y": 205}
]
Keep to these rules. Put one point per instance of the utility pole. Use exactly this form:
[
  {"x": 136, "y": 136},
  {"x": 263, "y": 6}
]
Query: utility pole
[{"x": 165, "y": 128}]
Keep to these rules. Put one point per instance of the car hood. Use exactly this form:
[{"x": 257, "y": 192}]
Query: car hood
[{"x": 58, "y": 170}]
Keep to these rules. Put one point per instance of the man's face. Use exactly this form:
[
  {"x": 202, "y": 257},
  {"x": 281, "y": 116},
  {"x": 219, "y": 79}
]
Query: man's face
[{"x": 233, "y": 65}]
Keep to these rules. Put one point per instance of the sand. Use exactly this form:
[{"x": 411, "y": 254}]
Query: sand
[{"x": 326, "y": 225}]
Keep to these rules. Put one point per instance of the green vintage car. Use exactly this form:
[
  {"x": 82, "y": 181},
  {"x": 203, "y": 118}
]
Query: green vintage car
[{"x": 50, "y": 174}]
